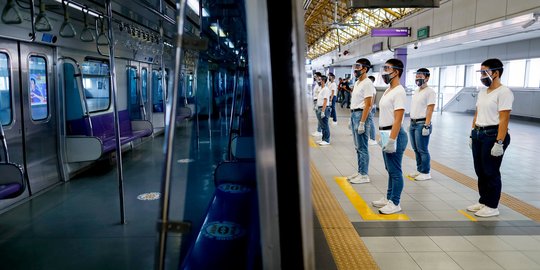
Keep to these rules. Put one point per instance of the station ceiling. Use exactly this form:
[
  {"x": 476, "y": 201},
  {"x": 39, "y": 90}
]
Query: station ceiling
[{"x": 330, "y": 24}]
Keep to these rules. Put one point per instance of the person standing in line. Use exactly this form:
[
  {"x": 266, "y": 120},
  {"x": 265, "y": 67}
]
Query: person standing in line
[
  {"x": 323, "y": 111},
  {"x": 422, "y": 105},
  {"x": 371, "y": 122},
  {"x": 361, "y": 98},
  {"x": 340, "y": 91},
  {"x": 489, "y": 137},
  {"x": 333, "y": 96},
  {"x": 316, "y": 90},
  {"x": 347, "y": 92},
  {"x": 393, "y": 136}
]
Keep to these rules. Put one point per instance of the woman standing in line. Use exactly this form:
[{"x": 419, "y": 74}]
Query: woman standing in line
[
  {"x": 489, "y": 137},
  {"x": 391, "y": 111}
]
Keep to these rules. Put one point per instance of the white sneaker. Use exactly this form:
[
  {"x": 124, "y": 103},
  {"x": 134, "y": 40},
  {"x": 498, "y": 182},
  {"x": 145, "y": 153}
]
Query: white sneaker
[
  {"x": 334, "y": 123},
  {"x": 475, "y": 207},
  {"x": 360, "y": 179},
  {"x": 372, "y": 142},
  {"x": 487, "y": 211},
  {"x": 352, "y": 176},
  {"x": 390, "y": 208},
  {"x": 423, "y": 177},
  {"x": 413, "y": 174},
  {"x": 380, "y": 203},
  {"x": 324, "y": 143},
  {"x": 316, "y": 134}
]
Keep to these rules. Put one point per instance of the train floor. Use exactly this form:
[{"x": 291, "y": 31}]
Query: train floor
[{"x": 433, "y": 231}]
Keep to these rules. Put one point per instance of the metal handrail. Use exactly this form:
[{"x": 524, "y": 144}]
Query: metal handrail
[
  {"x": 4, "y": 143},
  {"x": 169, "y": 140}
]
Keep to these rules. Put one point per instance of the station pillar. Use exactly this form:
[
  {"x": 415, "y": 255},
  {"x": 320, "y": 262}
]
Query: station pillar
[{"x": 401, "y": 54}]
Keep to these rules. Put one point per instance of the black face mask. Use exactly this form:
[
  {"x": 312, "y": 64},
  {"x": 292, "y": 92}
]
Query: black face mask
[
  {"x": 486, "y": 81},
  {"x": 386, "y": 78},
  {"x": 319, "y": 83},
  {"x": 357, "y": 73},
  {"x": 420, "y": 82}
]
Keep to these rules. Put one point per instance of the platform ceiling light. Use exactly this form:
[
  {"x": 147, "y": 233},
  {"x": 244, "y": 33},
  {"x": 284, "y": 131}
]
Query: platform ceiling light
[
  {"x": 42, "y": 22},
  {"x": 10, "y": 13},
  {"x": 536, "y": 15},
  {"x": 194, "y": 5},
  {"x": 67, "y": 29}
]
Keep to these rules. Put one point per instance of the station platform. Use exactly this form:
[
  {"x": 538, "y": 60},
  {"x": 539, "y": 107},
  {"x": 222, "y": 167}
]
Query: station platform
[{"x": 434, "y": 230}]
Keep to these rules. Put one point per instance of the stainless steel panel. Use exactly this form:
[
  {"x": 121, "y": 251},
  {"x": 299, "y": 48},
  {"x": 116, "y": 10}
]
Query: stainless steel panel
[{"x": 40, "y": 142}]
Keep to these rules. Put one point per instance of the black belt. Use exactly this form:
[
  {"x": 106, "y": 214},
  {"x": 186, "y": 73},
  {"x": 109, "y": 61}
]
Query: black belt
[
  {"x": 385, "y": 128},
  {"x": 418, "y": 120},
  {"x": 355, "y": 110},
  {"x": 486, "y": 127},
  {"x": 320, "y": 107}
]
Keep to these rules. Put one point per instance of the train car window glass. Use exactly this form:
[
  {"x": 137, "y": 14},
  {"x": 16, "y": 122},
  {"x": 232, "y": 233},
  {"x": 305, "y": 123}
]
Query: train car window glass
[
  {"x": 5, "y": 90},
  {"x": 96, "y": 83},
  {"x": 157, "y": 92},
  {"x": 144, "y": 84},
  {"x": 38, "y": 89},
  {"x": 133, "y": 98},
  {"x": 514, "y": 73},
  {"x": 533, "y": 80}
]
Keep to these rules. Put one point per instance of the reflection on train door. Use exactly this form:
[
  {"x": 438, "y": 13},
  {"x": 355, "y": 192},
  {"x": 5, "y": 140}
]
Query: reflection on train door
[
  {"x": 133, "y": 94},
  {"x": 38, "y": 114}
]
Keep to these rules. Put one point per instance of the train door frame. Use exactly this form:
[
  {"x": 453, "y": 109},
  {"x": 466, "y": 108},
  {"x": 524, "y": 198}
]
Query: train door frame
[
  {"x": 13, "y": 130},
  {"x": 40, "y": 135}
]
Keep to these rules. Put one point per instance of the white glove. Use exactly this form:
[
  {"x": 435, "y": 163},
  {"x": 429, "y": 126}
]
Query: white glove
[
  {"x": 425, "y": 131},
  {"x": 350, "y": 128},
  {"x": 361, "y": 128},
  {"x": 497, "y": 150},
  {"x": 390, "y": 146},
  {"x": 322, "y": 114}
]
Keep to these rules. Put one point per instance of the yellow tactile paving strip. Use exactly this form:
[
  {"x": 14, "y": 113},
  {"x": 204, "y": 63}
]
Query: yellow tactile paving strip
[
  {"x": 512, "y": 202},
  {"x": 348, "y": 250}
]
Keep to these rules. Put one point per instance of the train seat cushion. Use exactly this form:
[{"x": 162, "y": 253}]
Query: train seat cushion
[{"x": 7, "y": 190}]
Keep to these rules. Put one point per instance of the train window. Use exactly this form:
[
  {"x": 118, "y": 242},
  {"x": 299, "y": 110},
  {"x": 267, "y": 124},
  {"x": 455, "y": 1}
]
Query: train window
[
  {"x": 144, "y": 84},
  {"x": 533, "y": 80},
  {"x": 157, "y": 91},
  {"x": 5, "y": 90},
  {"x": 38, "y": 88},
  {"x": 96, "y": 85},
  {"x": 133, "y": 96}
]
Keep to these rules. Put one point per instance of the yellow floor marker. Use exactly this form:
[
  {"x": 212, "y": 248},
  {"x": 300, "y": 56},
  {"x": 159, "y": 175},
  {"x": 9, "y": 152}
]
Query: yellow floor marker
[
  {"x": 361, "y": 206},
  {"x": 312, "y": 143},
  {"x": 467, "y": 215},
  {"x": 410, "y": 178}
]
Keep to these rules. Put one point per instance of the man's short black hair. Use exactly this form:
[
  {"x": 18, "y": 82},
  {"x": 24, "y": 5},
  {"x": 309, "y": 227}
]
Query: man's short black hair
[
  {"x": 365, "y": 62},
  {"x": 372, "y": 78},
  {"x": 318, "y": 74},
  {"x": 324, "y": 78},
  {"x": 495, "y": 65},
  {"x": 396, "y": 64},
  {"x": 424, "y": 71},
  {"x": 331, "y": 75}
]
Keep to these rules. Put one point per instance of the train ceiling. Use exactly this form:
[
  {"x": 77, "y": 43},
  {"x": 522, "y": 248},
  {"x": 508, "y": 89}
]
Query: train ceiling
[{"x": 330, "y": 24}]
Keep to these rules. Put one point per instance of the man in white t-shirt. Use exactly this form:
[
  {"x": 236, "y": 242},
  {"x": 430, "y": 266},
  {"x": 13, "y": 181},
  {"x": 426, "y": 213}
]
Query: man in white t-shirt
[
  {"x": 323, "y": 111},
  {"x": 489, "y": 137},
  {"x": 361, "y": 99},
  {"x": 316, "y": 90},
  {"x": 422, "y": 105},
  {"x": 333, "y": 96}
]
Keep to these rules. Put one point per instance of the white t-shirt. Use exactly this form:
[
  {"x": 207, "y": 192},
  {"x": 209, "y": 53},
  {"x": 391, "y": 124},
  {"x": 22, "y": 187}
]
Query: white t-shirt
[
  {"x": 362, "y": 89},
  {"x": 489, "y": 105},
  {"x": 333, "y": 87},
  {"x": 391, "y": 101},
  {"x": 316, "y": 91},
  {"x": 420, "y": 100},
  {"x": 324, "y": 93}
]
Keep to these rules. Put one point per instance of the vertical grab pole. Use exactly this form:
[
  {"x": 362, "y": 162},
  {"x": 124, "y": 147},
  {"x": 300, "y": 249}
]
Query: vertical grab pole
[
  {"x": 119, "y": 169},
  {"x": 169, "y": 138}
]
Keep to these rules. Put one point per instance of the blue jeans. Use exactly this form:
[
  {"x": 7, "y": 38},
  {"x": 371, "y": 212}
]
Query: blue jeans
[
  {"x": 371, "y": 123},
  {"x": 323, "y": 123},
  {"x": 333, "y": 113},
  {"x": 486, "y": 166},
  {"x": 392, "y": 164},
  {"x": 419, "y": 144},
  {"x": 346, "y": 100},
  {"x": 360, "y": 142}
]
